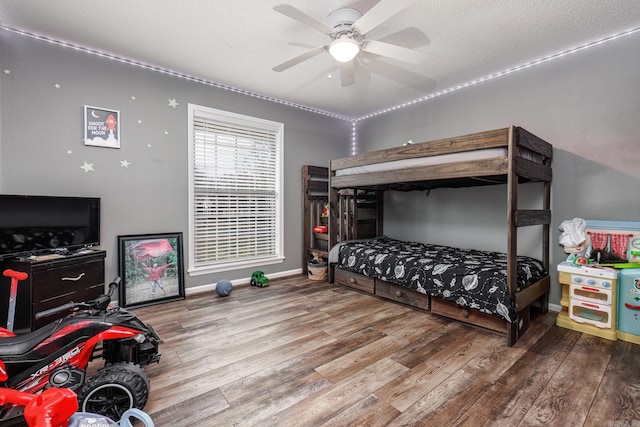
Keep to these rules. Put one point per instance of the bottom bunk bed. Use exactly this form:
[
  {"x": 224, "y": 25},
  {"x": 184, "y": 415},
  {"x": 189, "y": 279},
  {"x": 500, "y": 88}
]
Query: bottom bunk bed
[{"x": 463, "y": 284}]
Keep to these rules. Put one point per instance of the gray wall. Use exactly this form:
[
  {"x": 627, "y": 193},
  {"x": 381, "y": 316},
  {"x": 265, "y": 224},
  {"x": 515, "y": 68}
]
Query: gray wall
[
  {"x": 586, "y": 104},
  {"x": 42, "y": 123}
]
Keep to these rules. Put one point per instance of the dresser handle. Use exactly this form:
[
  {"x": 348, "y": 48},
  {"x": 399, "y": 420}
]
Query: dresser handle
[
  {"x": 352, "y": 280},
  {"x": 74, "y": 279},
  {"x": 398, "y": 294}
]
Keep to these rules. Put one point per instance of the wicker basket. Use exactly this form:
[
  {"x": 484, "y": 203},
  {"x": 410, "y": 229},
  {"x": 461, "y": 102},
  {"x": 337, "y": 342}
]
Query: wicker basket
[{"x": 317, "y": 271}]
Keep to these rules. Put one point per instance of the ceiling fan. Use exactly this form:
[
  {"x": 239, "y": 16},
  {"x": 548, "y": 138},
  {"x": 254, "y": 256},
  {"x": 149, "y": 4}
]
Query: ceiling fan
[{"x": 347, "y": 29}]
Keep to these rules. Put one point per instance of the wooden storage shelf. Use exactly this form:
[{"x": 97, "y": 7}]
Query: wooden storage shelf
[
  {"x": 315, "y": 195},
  {"x": 320, "y": 244}
]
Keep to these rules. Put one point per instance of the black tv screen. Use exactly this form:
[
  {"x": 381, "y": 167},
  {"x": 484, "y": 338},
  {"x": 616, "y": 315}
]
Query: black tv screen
[{"x": 32, "y": 225}]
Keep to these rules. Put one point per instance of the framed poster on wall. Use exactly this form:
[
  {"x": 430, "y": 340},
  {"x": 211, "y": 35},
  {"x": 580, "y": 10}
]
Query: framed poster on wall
[
  {"x": 101, "y": 127},
  {"x": 150, "y": 266}
]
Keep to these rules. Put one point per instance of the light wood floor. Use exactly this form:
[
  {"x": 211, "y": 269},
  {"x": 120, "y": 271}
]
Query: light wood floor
[{"x": 305, "y": 353}]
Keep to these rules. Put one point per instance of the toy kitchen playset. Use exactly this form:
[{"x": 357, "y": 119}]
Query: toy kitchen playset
[{"x": 600, "y": 279}]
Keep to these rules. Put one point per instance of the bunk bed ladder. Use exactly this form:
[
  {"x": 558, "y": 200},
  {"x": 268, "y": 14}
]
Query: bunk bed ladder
[
  {"x": 361, "y": 212},
  {"x": 529, "y": 170}
]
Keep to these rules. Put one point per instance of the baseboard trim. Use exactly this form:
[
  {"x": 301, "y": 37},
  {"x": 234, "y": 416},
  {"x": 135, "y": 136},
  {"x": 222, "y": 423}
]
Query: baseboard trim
[
  {"x": 238, "y": 282},
  {"x": 245, "y": 281},
  {"x": 555, "y": 308}
]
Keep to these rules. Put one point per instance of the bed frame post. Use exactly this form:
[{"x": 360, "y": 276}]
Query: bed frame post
[
  {"x": 333, "y": 222},
  {"x": 546, "y": 228},
  {"x": 512, "y": 230},
  {"x": 306, "y": 223},
  {"x": 379, "y": 213}
]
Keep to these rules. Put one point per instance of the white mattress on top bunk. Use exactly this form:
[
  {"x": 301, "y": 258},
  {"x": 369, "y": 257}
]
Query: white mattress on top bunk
[{"x": 465, "y": 156}]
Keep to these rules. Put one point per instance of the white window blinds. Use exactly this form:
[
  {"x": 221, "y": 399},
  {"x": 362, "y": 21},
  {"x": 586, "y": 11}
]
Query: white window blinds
[{"x": 235, "y": 189}]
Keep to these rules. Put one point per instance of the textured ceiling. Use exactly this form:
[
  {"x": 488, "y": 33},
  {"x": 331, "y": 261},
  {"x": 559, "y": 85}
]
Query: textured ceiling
[{"x": 237, "y": 42}]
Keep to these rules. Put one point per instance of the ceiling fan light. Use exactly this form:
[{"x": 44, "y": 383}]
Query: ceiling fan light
[{"x": 344, "y": 49}]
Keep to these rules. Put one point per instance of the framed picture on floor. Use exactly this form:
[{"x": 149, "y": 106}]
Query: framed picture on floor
[{"x": 150, "y": 266}]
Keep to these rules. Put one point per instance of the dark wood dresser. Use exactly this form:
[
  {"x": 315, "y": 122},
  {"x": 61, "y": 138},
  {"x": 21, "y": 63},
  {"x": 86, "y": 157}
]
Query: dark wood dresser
[{"x": 52, "y": 281}]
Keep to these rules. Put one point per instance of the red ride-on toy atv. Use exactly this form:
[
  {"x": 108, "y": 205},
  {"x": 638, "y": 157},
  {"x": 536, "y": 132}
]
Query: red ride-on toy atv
[{"x": 58, "y": 354}]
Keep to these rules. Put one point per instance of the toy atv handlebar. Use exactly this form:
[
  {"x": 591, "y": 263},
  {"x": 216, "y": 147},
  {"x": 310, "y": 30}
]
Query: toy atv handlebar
[
  {"x": 101, "y": 303},
  {"x": 19, "y": 275}
]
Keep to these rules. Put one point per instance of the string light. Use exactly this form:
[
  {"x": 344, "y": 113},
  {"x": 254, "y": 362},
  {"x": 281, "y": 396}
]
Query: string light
[
  {"x": 175, "y": 73},
  {"x": 354, "y": 121},
  {"x": 354, "y": 138},
  {"x": 502, "y": 73}
]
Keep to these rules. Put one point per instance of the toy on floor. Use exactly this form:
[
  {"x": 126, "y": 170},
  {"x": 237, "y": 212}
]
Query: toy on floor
[
  {"x": 56, "y": 407},
  {"x": 130, "y": 416},
  {"x": 224, "y": 288},
  {"x": 57, "y": 355},
  {"x": 259, "y": 279},
  {"x": 15, "y": 276}
]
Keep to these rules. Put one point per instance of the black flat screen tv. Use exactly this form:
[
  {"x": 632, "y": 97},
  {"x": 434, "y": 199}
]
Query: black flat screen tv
[{"x": 34, "y": 225}]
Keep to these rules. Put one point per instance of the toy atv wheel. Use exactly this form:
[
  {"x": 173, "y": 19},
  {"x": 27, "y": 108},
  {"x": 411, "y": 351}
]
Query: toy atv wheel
[{"x": 114, "y": 389}]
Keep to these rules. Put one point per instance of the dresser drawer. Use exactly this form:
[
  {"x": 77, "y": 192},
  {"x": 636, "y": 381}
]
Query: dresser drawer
[
  {"x": 353, "y": 280},
  {"x": 402, "y": 294},
  {"x": 62, "y": 281},
  {"x": 79, "y": 296}
]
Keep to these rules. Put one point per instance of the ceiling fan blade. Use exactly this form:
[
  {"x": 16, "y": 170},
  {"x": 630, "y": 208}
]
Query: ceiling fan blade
[
  {"x": 379, "y": 13},
  {"x": 298, "y": 59},
  {"x": 347, "y": 73},
  {"x": 302, "y": 17},
  {"x": 393, "y": 51}
]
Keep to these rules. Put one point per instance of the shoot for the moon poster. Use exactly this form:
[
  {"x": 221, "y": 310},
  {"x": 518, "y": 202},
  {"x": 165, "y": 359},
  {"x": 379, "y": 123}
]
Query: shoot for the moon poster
[{"x": 101, "y": 127}]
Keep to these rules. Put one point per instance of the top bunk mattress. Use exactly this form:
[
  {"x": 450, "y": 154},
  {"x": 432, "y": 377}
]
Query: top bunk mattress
[
  {"x": 440, "y": 159},
  {"x": 468, "y": 277},
  {"x": 480, "y": 158}
]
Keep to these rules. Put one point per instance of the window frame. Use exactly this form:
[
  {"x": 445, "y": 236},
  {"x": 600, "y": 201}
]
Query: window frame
[{"x": 227, "y": 117}]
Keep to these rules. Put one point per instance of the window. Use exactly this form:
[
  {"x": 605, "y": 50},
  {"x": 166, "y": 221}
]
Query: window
[{"x": 235, "y": 184}]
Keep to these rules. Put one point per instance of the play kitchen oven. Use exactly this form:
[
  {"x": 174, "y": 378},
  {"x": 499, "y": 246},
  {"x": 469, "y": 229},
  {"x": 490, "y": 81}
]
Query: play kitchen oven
[
  {"x": 589, "y": 299},
  {"x": 592, "y": 300}
]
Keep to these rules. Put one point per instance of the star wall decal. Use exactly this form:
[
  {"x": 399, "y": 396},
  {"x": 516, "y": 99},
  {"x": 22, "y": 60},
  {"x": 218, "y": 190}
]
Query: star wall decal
[
  {"x": 57, "y": 86},
  {"x": 124, "y": 164},
  {"x": 7, "y": 71},
  {"x": 173, "y": 103},
  {"x": 87, "y": 167}
]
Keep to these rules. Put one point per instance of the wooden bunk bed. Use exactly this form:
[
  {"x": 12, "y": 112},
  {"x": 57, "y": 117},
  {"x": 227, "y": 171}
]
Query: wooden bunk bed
[{"x": 508, "y": 156}]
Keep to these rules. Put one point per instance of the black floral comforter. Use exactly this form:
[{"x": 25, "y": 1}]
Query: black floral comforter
[{"x": 468, "y": 277}]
